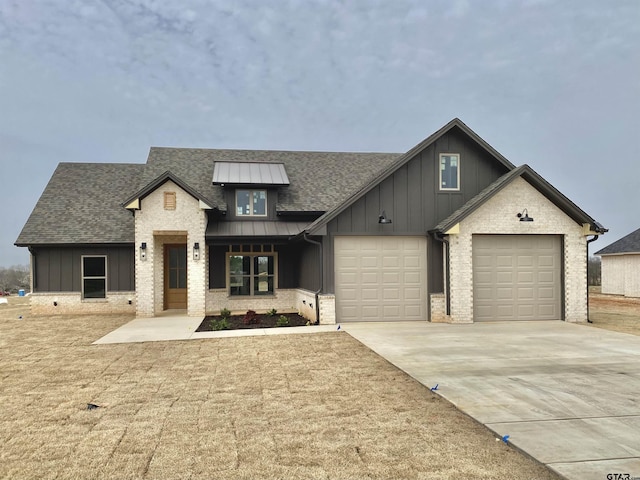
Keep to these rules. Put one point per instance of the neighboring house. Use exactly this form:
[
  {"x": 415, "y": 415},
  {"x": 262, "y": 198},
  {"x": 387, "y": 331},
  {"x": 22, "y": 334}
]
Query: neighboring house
[
  {"x": 620, "y": 268},
  {"x": 449, "y": 231}
]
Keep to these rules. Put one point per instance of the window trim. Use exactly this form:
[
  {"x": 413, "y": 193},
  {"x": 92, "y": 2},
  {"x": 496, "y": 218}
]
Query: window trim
[
  {"x": 448, "y": 189},
  {"x": 83, "y": 277},
  {"x": 251, "y": 274},
  {"x": 251, "y": 192}
]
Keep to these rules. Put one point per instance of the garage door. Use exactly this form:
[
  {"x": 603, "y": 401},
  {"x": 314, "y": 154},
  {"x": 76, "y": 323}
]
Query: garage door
[
  {"x": 380, "y": 278},
  {"x": 516, "y": 277}
]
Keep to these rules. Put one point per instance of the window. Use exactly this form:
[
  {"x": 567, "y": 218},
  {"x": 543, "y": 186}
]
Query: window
[
  {"x": 449, "y": 171},
  {"x": 94, "y": 276},
  {"x": 252, "y": 272},
  {"x": 251, "y": 202},
  {"x": 169, "y": 200}
]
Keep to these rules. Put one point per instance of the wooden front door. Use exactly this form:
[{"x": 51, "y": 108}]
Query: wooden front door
[{"x": 175, "y": 277}]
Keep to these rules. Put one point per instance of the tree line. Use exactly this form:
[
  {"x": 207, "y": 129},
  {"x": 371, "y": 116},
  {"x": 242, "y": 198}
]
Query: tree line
[{"x": 14, "y": 278}]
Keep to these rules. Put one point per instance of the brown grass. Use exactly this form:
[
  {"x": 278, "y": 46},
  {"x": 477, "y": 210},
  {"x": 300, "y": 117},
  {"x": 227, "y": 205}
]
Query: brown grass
[
  {"x": 614, "y": 312},
  {"x": 301, "y": 406}
]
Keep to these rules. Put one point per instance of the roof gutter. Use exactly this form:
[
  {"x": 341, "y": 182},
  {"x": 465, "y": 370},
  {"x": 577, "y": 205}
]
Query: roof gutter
[
  {"x": 442, "y": 238},
  {"x": 317, "y": 292}
]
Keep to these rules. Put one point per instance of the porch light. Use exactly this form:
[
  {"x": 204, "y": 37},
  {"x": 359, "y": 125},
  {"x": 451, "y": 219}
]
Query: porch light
[
  {"x": 383, "y": 219},
  {"x": 196, "y": 251},
  {"x": 524, "y": 216},
  {"x": 143, "y": 251}
]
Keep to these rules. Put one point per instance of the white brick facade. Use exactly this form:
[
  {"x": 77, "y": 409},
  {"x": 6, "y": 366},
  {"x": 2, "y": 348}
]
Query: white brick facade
[
  {"x": 621, "y": 274},
  {"x": 156, "y": 227},
  {"x": 71, "y": 303},
  {"x": 498, "y": 216}
]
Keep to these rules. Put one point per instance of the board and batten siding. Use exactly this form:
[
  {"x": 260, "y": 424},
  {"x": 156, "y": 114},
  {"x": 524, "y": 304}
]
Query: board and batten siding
[
  {"x": 59, "y": 269},
  {"x": 411, "y": 198}
]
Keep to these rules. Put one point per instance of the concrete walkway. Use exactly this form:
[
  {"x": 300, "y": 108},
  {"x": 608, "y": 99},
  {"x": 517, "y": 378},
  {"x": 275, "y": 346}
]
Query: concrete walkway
[
  {"x": 568, "y": 395},
  {"x": 182, "y": 327}
]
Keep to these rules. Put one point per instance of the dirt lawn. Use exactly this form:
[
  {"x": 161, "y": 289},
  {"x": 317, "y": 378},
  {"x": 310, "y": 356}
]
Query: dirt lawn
[{"x": 300, "y": 406}]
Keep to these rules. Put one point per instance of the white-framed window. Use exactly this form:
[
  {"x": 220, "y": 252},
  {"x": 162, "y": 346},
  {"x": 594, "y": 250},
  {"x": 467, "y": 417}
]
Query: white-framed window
[
  {"x": 251, "y": 270},
  {"x": 449, "y": 171},
  {"x": 94, "y": 276},
  {"x": 251, "y": 203}
]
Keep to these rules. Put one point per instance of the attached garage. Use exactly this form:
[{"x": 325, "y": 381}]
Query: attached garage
[
  {"x": 380, "y": 278},
  {"x": 517, "y": 277}
]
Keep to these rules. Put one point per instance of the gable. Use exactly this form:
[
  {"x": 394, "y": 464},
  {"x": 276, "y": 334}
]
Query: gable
[{"x": 409, "y": 191}]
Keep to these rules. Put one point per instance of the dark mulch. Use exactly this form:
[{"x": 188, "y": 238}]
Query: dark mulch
[{"x": 260, "y": 321}]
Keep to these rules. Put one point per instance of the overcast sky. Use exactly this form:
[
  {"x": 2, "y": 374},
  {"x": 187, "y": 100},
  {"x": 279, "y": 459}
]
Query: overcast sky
[{"x": 554, "y": 84}]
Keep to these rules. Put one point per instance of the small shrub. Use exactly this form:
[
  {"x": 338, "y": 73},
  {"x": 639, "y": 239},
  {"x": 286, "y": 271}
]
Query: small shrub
[
  {"x": 220, "y": 324},
  {"x": 250, "y": 318},
  {"x": 225, "y": 313},
  {"x": 283, "y": 321},
  {"x": 272, "y": 313}
]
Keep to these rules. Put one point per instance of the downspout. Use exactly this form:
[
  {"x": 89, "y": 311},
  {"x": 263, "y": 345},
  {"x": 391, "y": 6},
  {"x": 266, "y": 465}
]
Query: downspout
[
  {"x": 595, "y": 237},
  {"x": 317, "y": 292},
  {"x": 442, "y": 239}
]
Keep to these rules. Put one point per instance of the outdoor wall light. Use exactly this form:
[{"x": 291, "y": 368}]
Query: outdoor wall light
[
  {"x": 524, "y": 216},
  {"x": 55, "y": 302},
  {"x": 129, "y": 301},
  {"x": 383, "y": 219},
  {"x": 143, "y": 251},
  {"x": 196, "y": 251}
]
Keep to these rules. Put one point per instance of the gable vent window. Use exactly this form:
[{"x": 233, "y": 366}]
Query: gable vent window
[
  {"x": 449, "y": 171},
  {"x": 169, "y": 200}
]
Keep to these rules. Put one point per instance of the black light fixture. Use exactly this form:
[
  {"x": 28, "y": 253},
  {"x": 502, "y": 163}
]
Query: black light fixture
[
  {"x": 196, "y": 251},
  {"x": 143, "y": 251},
  {"x": 524, "y": 216},
  {"x": 383, "y": 219}
]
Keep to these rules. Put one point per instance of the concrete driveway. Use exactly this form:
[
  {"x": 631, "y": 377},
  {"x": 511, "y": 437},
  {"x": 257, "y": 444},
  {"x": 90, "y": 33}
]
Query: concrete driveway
[{"x": 568, "y": 395}]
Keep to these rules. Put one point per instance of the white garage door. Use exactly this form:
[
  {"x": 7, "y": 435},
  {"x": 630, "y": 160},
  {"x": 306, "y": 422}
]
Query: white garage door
[
  {"x": 380, "y": 278},
  {"x": 516, "y": 277}
]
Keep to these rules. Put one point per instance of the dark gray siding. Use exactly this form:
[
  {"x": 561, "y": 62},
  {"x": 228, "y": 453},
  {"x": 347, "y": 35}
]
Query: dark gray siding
[
  {"x": 411, "y": 198},
  {"x": 58, "y": 269},
  {"x": 309, "y": 263},
  {"x": 217, "y": 266}
]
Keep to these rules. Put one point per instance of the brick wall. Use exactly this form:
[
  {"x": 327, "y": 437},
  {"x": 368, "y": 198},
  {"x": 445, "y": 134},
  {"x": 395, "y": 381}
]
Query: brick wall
[
  {"x": 498, "y": 216},
  {"x": 285, "y": 300},
  {"x": 71, "y": 303},
  {"x": 156, "y": 227}
]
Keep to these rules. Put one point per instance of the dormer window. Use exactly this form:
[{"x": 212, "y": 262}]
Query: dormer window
[
  {"x": 251, "y": 203},
  {"x": 449, "y": 171}
]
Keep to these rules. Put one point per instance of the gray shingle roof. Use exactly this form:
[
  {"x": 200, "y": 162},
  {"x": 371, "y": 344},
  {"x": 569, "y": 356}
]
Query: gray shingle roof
[
  {"x": 81, "y": 204},
  {"x": 319, "y": 180},
  {"x": 627, "y": 244}
]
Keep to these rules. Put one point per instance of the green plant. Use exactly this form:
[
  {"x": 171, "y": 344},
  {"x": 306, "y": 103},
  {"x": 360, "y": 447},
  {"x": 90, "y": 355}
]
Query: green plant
[
  {"x": 220, "y": 324},
  {"x": 225, "y": 313},
  {"x": 250, "y": 317},
  {"x": 283, "y": 321},
  {"x": 272, "y": 313}
]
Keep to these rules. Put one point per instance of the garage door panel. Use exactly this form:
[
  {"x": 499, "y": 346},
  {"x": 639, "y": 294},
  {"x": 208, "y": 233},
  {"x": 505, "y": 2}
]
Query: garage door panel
[
  {"x": 369, "y": 262},
  {"x": 528, "y": 266},
  {"x": 389, "y": 275},
  {"x": 369, "y": 278},
  {"x": 390, "y": 262}
]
